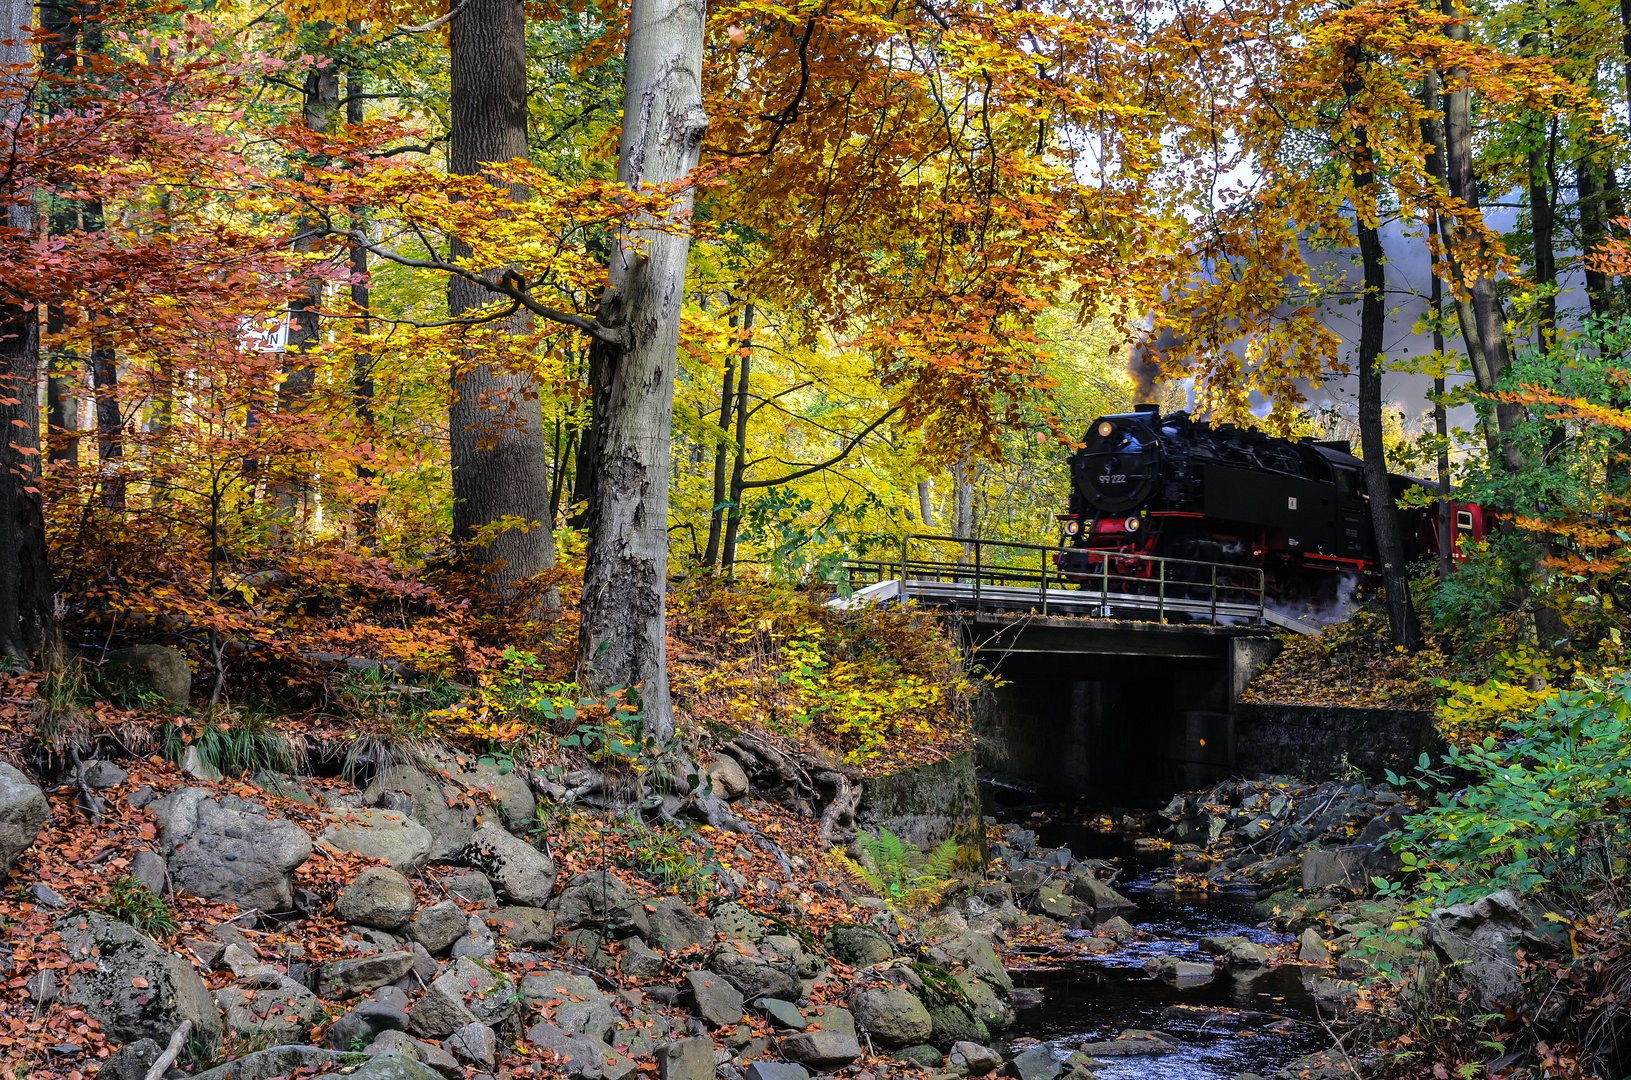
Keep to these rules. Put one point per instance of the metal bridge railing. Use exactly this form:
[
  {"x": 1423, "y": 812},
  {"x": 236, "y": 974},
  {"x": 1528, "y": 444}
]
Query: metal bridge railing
[{"x": 1002, "y": 575}]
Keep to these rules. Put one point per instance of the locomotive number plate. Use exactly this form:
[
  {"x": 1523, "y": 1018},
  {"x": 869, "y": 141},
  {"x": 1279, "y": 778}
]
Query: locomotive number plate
[{"x": 1113, "y": 478}]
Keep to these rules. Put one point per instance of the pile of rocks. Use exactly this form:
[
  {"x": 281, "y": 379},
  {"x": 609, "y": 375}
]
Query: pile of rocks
[
  {"x": 494, "y": 954},
  {"x": 1271, "y": 831},
  {"x": 1050, "y": 883}
]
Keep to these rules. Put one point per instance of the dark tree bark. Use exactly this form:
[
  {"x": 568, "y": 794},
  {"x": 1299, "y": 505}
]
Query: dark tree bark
[
  {"x": 739, "y": 461},
  {"x": 362, "y": 363},
  {"x": 290, "y": 489},
  {"x": 59, "y": 25},
  {"x": 1590, "y": 199},
  {"x": 1542, "y": 217},
  {"x": 496, "y": 426},
  {"x": 1390, "y": 552},
  {"x": 25, "y": 581},
  {"x": 722, "y": 451}
]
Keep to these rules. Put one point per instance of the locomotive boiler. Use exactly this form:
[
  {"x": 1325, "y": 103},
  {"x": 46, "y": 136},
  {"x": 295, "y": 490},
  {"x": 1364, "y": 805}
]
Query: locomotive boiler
[{"x": 1172, "y": 486}]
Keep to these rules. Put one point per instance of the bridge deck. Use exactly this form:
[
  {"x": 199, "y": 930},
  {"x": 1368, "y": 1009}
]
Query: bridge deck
[
  {"x": 1090, "y": 603},
  {"x": 1071, "y": 582}
]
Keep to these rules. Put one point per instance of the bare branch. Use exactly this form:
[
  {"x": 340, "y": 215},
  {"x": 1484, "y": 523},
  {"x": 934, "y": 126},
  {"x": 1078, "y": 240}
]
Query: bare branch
[
  {"x": 436, "y": 23},
  {"x": 834, "y": 460}
]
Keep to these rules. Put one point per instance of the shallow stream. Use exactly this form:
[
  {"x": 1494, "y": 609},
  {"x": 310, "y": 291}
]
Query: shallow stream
[{"x": 1240, "y": 1022}]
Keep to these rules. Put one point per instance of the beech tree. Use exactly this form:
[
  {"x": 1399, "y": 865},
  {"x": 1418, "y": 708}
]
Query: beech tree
[
  {"x": 621, "y": 635},
  {"x": 500, "y": 461},
  {"x": 25, "y": 588}
]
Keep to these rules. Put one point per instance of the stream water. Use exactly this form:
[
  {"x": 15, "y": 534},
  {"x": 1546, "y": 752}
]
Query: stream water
[{"x": 1240, "y": 1022}]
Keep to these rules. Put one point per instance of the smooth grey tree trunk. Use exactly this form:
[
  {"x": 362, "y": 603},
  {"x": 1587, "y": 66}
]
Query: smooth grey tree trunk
[
  {"x": 25, "y": 582},
  {"x": 1493, "y": 345},
  {"x": 1432, "y": 129},
  {"x": 1441, "y": 428},
  {"x": 622, "y": 625},
  {"x": 496, "y": 425}
]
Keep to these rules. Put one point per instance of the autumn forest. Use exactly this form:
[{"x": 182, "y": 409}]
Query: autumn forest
[{"x": 519, "y": 381}]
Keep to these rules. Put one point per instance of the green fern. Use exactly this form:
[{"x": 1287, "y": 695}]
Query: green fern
[{"x": 899, "y": 871}]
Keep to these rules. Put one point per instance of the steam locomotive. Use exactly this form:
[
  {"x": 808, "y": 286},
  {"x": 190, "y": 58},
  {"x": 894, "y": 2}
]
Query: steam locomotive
[{"x": 1171, "y": 486}]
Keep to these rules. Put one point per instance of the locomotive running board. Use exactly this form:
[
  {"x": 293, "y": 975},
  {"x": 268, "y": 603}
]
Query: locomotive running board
[{"x": 1286, "y": 622}]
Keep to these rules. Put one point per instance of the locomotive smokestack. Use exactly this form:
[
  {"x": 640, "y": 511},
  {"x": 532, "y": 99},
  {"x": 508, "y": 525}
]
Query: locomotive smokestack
[{"x": 1147, "y": 406}]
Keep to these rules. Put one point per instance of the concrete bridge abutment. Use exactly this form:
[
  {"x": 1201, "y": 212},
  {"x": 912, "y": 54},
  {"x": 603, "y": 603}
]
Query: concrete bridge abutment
[{"x": 1120, "y": 712}]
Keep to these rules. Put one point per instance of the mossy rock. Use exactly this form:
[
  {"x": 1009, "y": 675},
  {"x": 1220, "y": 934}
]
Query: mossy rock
[
  {"x": 858, "y": 946},
  {"x": 953, "y": 1015}
]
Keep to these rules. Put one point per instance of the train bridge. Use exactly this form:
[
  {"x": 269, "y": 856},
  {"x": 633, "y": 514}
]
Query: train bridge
[{"x": 1118, "y": 682}]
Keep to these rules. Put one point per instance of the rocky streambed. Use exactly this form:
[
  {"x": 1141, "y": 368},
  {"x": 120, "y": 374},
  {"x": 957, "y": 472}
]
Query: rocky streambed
[{"x": 1183, "y": 944}]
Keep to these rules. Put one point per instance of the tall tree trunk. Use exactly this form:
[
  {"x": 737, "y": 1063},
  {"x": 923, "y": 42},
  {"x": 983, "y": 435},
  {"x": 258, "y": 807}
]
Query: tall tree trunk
[
  {"x": 362, "y": 361},
  {"x": 716, "y": 516},
  {"x": 25, "y": 582},
  {"x": 110, "y": 443},
  {"x": 739, "y": 462},
  {"x": 1542, "y": 215},
  {"x": 1445, "y": 522},
  {"x": 601, "y": 358},
  {"x": 59, "y": 59},
  {"x": 290, "y": 488},
  {"x": 962, "y": 506},
  {"x": 1493, "y": 347},
  {"x": 1405, "y": 630},
  {"x": 496, "y": 425},
  {"x": 1432, "y": 126},
  {"x": 925, "y": 502},
  {"x": 621, "y": 643},
  {"x": 1589, "y": 199}
]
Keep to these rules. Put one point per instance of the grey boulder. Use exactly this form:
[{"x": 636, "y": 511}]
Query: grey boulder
[
  {"x": 379, "y": 834},
  {"x": 23, "y": 811},
  {"x": 520, "y": 872},
  {"x": 599, "y": 901},
  {"x": 893, "y": 1016},
  {"x": 229, "y": 850},
  {"x": 158, "y": 668},
  {"x": 675, "y": 927},
  {"x": 135, "y": 989},
  {"x": 437, "y": 796},
  {"x": 379, "y": 897},
  {"x": 821, "y": 1050}
]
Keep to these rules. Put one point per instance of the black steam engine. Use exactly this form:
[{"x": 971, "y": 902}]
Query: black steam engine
[{"x": 1144, "y": 484}]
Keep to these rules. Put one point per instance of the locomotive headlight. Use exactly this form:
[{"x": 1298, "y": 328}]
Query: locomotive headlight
[
  {"x": 1132, "y": 524},
  {"x": 1072, "y": 527},
  {"x": 1105, "y": 429}
]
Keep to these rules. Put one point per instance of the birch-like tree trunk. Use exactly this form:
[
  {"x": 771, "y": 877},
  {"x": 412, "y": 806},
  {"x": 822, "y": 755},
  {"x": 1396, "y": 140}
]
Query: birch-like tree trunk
[
  {"x": 495, "y": 422},
  {"x": 622, "y": 626},
  {"x": 25, "y": 583}
]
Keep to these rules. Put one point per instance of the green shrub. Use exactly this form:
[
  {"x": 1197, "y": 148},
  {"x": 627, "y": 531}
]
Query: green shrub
[{"x": 1544, "y": 805}]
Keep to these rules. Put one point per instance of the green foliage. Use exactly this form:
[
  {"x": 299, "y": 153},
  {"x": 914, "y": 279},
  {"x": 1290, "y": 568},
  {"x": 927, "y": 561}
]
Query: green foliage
[
  {"x": 236, "y": 744},
  {"x": 128, "y": 900},
  {"x": 389, "y": 707},
  {"x": 1545, "y": 804},
  {"x": 900, "y": 872},
  {"x": 658, "y": 854}
]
